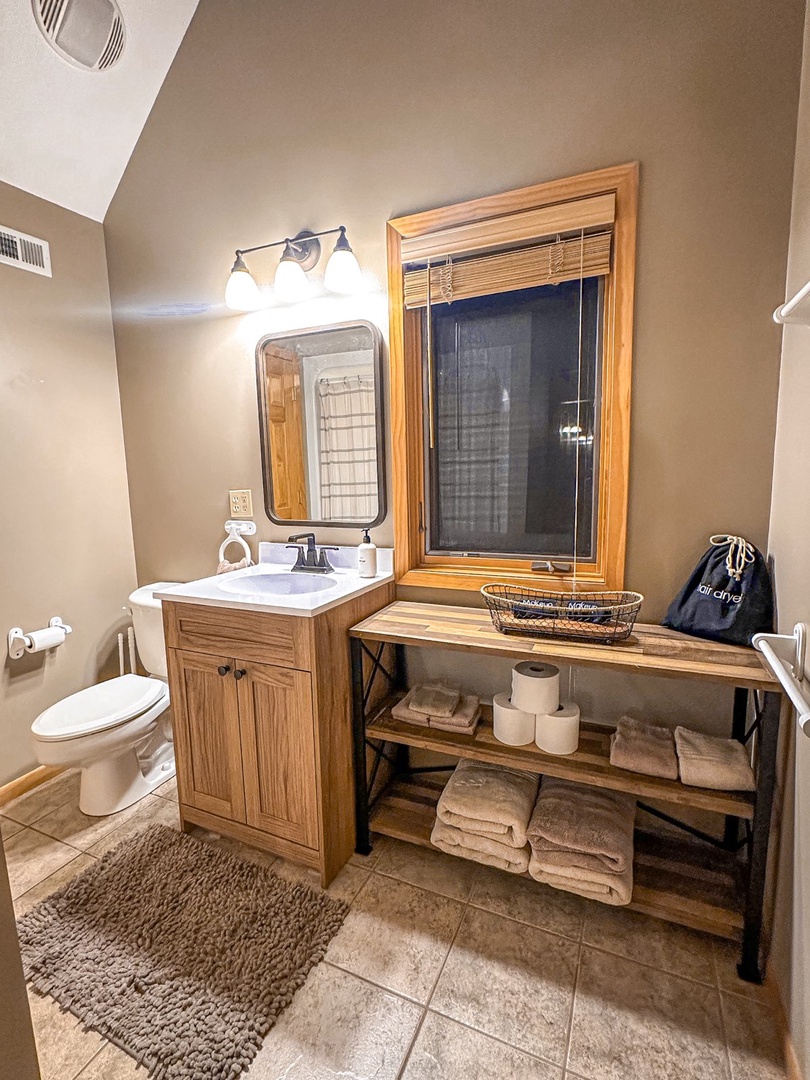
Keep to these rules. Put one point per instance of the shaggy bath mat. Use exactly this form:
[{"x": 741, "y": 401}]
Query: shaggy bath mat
[{"x": 178, "y": 952}]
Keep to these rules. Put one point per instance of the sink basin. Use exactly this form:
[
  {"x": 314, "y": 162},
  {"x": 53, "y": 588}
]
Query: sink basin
[{"x": 276, "y": 584}]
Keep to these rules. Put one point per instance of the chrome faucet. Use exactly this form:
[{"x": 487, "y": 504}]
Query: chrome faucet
[{"x": 312, "y": 561}]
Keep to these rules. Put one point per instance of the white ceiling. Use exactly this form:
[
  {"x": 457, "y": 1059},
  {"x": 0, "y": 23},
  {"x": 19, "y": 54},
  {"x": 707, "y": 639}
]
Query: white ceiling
[{"x": 67, "y": 134}]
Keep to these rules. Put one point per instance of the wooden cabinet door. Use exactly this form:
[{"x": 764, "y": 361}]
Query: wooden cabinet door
[
  {"x": 278, "y": 752},
  {"x": 205, "y": 712}
]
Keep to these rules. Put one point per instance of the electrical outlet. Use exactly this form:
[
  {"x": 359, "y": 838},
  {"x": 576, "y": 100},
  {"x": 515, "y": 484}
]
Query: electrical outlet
[{"x": 241, "y": 503}]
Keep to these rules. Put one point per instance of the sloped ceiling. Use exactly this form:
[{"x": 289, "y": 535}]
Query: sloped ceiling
[{"x": 67, "y": 134}]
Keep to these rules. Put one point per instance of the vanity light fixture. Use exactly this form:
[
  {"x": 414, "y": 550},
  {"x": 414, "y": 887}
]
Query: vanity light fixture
[{"x": 301, "y": 254}]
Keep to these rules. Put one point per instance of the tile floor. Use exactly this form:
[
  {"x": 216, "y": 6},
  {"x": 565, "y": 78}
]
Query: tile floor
[{"x": 442, "y": 970}]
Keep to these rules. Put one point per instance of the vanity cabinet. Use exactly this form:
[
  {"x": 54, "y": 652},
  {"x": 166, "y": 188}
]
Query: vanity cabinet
[{"x": 261, "y": 709}]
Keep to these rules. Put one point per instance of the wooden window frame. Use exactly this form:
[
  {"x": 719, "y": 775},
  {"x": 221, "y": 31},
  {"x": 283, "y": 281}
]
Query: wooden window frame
[{"x": 413, "y": 566}]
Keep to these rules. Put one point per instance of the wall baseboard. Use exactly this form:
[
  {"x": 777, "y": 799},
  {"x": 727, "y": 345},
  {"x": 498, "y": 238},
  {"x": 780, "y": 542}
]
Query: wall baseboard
[
  {"x": 792, "y": 1068},
  {"x": 27, "y": 782}
]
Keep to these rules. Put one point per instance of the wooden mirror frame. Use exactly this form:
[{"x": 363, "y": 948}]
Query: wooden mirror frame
[
  {"x": 413, "y": 566},
  {"x": 379, "y": 420}
]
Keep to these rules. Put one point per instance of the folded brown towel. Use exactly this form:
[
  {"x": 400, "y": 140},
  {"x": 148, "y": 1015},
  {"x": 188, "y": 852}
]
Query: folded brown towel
[
  {"x": 575, "y": 825},
  {"x": 434, "y": 700},
  {"x": 467, "y": 711},
  {"x": 608, "y": 888},
  {"x": 400, "y": 711},
  {"x": 489, "y": 800},
  {"x": 480, "y": 849},
  {"x": 449, "y": 724},
  {"x": 644, "y": 748},
  {"x": 706, "y": 761}
]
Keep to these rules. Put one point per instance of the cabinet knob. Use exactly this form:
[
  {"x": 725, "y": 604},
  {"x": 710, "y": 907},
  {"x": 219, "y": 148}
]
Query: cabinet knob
[
  {"x": 239, "y": 673},
  {"x": 223, "y": 669}
]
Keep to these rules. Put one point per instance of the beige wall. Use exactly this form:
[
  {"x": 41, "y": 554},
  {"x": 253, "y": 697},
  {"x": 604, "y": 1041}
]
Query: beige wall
[
  {"x": 66, "y": 540},
  {"x": 420, "y": 104},
  {"x": 790, "y": 548}
]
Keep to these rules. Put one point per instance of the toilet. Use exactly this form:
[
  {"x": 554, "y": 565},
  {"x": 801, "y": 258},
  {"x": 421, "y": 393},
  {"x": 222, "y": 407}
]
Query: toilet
[{"x": 117, "y": 732}]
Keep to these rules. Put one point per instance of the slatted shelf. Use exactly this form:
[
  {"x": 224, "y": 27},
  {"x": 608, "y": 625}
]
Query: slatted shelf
[
  {"x": 680, "y": 881},
  {"x": 590, "y": 764}
]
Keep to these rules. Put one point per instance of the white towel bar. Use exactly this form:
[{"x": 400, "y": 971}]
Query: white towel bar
[
  {"x": 789, "y": 667},
  {"x": 785, "y": 313}
]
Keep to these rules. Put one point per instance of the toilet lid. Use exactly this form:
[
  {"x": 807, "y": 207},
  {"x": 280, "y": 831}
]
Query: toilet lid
[{"x": 99, "y": 707}]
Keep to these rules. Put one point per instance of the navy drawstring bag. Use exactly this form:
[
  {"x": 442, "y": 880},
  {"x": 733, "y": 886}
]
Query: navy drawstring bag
[{"x": 728, "y": 597}]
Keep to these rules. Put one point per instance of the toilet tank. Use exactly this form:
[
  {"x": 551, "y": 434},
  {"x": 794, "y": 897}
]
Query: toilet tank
[{"x": 147, "y": 620}]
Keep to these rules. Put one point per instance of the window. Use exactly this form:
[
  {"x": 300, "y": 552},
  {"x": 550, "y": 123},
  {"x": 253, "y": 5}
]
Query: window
[{"x": 512, "y": 395}]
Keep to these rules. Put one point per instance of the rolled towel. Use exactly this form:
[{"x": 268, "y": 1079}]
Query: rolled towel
[
  {"x": 401, "y": 711},
  {"x": 434, "y": 700},
  {"x": 480, "y": 849},
  {"x": 644, "y": 748},
  {"x": 575, "y": 825},
  {"x": 616, "y": 889},
  {"x": 490, "y": 801},
  {"x": 706, "y": 761}
]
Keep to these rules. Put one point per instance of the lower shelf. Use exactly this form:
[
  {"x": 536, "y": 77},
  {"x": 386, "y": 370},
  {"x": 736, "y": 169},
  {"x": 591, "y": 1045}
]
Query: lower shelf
[{"x": 681, "y": 881}]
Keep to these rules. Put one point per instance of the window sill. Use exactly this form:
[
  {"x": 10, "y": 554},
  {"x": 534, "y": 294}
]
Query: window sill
[{"x": 469, "y": 579}]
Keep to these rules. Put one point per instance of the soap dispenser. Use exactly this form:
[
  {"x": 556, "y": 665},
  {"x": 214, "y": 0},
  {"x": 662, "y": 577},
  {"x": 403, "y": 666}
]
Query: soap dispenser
[{"x": 367, "y": 557}]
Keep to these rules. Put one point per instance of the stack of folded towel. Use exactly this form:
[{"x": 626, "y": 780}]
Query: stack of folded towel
[
  {"x": 483, "y": 813},
  {"x": 582, "y": 840},
  {"x": 706, "y": 761},
  {"x": 439, "y": 707},
  {"x": 644, "y": 748}
]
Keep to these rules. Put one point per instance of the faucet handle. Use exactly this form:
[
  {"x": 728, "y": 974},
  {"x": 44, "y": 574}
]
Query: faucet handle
[{"x": 323, "y": 562}]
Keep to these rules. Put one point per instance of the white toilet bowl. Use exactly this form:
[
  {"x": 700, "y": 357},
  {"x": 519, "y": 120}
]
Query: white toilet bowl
[{"x": 117, "y": 732}]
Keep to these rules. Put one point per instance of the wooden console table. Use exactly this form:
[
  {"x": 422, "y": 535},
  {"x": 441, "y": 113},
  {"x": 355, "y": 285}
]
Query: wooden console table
[{"x": 708, "y": 883}]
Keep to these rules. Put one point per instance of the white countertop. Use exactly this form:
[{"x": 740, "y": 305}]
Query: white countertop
[{"x": 275, "y": 561}]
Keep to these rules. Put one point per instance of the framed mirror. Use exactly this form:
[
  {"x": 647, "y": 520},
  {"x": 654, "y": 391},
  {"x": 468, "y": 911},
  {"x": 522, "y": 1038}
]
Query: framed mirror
[{"x": 321, "y": 425}]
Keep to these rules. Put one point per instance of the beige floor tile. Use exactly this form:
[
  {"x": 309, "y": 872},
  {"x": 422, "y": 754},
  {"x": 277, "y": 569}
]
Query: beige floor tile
[
  {"x": 110, "y": 1063},
  {"x": 445, "y": 1050},
  {"x": 754, "y": 1040},
  {"x": 63, "y": 1046},
  {"x": 242, "y": 851},
  {"x": 345, "y": 886},
  {"x": 726, "y": 958},
  {"x": 428, "y": 869},
  {"x": 652, "y": 941},
  {"x": 9, "y": 828},
  {"x": 68, "y": 823},
  {"x": 42, "y": 800},
  {"x": 528, "y": 901},
  {"x": 632, "y": 1021},
  {"x": 150, "y": 811},
  {"x": 378, "y": 845},
  {"x": 31, "y": 857},
  {"x": 338, "y": 1027},
  {"x": 511, "y": 981},
  {"x": 50, "y": 884},
  {"x": 396, "y": 936},
  {"x": 168, "y": 790}
]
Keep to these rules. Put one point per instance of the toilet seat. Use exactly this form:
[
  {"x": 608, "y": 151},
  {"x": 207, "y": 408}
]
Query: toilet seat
[{"x": 99, "y": 708}]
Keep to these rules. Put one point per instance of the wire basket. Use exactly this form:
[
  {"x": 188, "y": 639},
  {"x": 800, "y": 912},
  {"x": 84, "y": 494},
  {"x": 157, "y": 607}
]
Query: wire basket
[{"x": 601, "y": 617}]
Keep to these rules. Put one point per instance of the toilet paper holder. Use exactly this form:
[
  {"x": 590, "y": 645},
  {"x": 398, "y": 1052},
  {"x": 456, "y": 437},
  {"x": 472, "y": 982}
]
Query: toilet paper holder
[{"x": 20, "y": 643}]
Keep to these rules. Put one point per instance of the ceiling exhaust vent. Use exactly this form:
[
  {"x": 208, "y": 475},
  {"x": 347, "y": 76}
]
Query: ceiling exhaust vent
[
  {"x": 87, "y": 33},
  {"x": 25, "y": 252}
]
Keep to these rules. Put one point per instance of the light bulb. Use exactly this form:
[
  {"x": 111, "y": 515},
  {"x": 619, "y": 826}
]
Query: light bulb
[
  {"x": 342, "y": 274},
  {"x": 290, "y": 283},
  {"x": 242, "y": 292}
]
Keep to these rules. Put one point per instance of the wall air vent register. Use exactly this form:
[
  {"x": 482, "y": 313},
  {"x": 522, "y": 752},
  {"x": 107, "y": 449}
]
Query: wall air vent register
[
  {"x": 87, "y": 33},
  {"x": 24, "y": 251}
]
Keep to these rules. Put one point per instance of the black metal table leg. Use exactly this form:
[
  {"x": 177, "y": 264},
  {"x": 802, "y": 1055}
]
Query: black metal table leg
[
  {"x": 362, "y": 832},
  {"x": 749, "y": 966},
  {"x": 738, "y": 725}
]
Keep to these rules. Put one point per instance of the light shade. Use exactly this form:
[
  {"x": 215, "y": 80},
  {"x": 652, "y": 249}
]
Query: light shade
[
  {"x": 342, "y": 274},
  {"x": 242, "y": 292},
  {"x": 290, "y": 282}
]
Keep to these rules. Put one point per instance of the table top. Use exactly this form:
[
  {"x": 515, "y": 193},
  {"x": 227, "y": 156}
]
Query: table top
[{"x": 650, "y": 649}]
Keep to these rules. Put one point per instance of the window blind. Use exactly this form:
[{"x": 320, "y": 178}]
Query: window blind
[{"x": 521, "y": 268}]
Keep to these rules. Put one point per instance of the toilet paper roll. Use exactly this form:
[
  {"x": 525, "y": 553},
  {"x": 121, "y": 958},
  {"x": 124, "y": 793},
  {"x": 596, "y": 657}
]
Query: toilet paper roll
[
  {"x": 558, "y": 732},
  {"x": 510, "y": 725},
  {"x": 39, "y": 640},
  {"x": 535, "y": 687}
]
